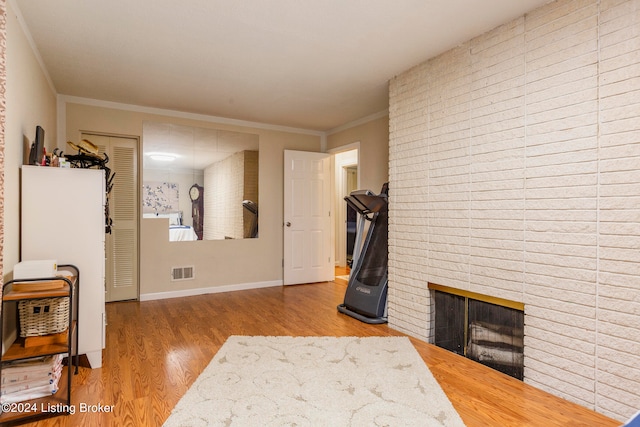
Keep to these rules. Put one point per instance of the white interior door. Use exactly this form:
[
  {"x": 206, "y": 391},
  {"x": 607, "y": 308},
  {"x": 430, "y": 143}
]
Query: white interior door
[{"x": 308, "y": 256}]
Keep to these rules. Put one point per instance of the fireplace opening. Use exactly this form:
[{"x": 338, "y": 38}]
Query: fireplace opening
[{"x": 485, "y": 329}]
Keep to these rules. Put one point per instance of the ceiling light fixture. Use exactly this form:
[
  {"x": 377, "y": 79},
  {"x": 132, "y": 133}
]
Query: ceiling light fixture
[{"x": 163, "y": 157}]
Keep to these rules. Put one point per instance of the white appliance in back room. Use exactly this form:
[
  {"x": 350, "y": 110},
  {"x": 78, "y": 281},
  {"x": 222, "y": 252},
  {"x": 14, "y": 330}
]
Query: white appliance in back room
[{"x": 63, "y": 218}]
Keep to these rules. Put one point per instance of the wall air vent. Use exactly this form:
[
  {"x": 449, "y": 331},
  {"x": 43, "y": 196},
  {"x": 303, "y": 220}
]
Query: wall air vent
[{"x": 182, "y": 273}]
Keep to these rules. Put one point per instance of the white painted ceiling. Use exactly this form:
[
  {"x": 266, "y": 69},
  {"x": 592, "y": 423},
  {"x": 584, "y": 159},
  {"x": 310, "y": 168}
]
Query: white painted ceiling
[{"x": 310, "y": 64}]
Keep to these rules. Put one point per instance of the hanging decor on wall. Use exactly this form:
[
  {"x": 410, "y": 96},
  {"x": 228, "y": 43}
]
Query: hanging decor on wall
[{"x": 160, "y": 197}]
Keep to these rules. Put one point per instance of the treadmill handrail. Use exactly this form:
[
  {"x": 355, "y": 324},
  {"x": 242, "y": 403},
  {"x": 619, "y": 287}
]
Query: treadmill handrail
[{"x": 365, "y": 202}]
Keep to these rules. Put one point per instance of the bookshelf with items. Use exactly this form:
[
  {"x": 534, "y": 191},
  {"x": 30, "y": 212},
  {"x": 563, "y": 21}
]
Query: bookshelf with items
[{"x": 35, "y": 381}]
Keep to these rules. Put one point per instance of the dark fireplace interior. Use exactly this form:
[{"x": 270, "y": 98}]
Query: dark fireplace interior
[{"x": 484, "y": 331}]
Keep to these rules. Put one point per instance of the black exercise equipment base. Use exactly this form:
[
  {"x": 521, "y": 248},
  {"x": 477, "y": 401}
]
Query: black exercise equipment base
[{"x": 371, "y": 320}]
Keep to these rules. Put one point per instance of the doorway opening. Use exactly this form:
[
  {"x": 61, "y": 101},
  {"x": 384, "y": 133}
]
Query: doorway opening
[
  {"x": 351, "y": 220},
  {"x": 346, "y": 179}
]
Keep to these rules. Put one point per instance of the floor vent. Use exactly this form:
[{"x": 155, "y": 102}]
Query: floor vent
[{"x": 182, "y": 273}]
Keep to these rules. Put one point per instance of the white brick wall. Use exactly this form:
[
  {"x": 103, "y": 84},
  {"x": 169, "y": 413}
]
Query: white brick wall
[
  {"x": 514, "y": 167},
  {"x": 226, "y": 184}
]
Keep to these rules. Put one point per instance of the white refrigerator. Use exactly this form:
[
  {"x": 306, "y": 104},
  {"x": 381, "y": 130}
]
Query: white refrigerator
[{"x": 63, "y": 218}]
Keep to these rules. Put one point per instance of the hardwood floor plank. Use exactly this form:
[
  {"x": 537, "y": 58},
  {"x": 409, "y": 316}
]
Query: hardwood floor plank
[{"x": 156, "y": 350}]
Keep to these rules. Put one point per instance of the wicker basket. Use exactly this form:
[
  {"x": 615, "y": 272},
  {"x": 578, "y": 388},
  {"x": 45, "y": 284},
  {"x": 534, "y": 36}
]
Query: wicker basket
[{"x": 43, "y": 316}]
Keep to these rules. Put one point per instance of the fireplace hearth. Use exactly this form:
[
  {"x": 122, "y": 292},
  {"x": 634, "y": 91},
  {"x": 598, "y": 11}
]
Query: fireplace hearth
[{"x": 485, "y": 329}]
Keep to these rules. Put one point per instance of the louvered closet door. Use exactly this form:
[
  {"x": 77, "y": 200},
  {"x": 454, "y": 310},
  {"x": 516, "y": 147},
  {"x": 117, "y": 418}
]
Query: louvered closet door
[{"x": 121, "y": 267}]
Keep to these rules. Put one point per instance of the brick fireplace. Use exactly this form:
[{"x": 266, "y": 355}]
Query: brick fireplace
[
  {"x": 513, "y": 172},
  {"x": 482, "y": 328}
]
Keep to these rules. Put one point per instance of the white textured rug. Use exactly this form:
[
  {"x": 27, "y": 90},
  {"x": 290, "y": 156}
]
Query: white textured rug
[{"x": 315, "y": 381}]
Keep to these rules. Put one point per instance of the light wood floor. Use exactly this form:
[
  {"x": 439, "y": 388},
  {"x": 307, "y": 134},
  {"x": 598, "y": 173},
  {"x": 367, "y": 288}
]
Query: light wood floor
[{"x": 156, "y": 349}]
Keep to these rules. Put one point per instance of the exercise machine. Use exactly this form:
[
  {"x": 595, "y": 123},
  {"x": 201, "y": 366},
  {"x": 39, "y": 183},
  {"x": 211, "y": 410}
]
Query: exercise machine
[
  {"x": 366, "y": 296},
  {"x": 252, "y": 208}
]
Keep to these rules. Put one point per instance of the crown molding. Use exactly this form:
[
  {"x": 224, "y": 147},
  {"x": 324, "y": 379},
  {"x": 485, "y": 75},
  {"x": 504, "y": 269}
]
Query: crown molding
[
  {"x": 184, "y": 115},
  {"x": 358, "y": 122}
]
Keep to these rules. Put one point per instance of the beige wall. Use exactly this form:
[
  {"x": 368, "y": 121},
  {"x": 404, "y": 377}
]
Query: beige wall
[
  {"x": 30, "y": 101},
  {"x": 514, "y": 165},
  {"x": 225, "y": 263},
  {"x": 373, "y": 137}
]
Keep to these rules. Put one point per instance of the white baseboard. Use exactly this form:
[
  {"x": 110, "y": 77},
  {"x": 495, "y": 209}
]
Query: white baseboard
[{"x": 212, "y": 290}]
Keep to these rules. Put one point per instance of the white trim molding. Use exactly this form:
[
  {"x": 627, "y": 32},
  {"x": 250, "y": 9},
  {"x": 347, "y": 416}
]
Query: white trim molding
[{"x": 212, "y": 290}]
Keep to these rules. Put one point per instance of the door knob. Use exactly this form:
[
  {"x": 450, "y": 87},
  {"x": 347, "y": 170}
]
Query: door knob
[{"x": 288, "y": 224}]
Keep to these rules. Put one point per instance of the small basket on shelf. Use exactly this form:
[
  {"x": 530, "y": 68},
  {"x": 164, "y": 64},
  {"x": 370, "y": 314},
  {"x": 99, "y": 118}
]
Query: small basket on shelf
[{"x": 43, "y": 316}]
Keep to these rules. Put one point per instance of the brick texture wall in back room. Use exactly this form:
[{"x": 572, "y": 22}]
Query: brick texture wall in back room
[{"x": 514, "y": 165}]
